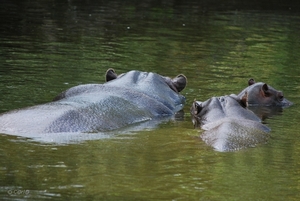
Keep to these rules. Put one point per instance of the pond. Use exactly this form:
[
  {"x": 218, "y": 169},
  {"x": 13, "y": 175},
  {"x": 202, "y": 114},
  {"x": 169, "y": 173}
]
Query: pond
[{"x": 50, "y": 46}]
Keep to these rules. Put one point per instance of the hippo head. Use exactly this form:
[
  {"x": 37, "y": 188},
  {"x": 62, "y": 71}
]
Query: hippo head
[
  {"x": 216, "y": 108},
  {"x": 261, "y": 94},
  {"x": 177, "y": 84}
]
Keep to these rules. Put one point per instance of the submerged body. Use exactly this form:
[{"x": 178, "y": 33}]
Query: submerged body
[
  {"x": 227, "y": 124},
  {"x": 127, "y": 99}
]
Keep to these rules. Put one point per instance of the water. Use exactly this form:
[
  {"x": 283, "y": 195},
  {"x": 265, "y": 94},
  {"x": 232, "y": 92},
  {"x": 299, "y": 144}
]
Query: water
[{"x": 47, "y": 47}]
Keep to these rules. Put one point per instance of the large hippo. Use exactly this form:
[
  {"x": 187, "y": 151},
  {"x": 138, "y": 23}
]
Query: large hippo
[
  {"x": 127, "y": 99},
  {"x": 228, "y": 125},
  {"x": 262, "y": 94}
]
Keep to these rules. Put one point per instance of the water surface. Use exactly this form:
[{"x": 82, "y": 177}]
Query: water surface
[{"x": 48, "y": 47}]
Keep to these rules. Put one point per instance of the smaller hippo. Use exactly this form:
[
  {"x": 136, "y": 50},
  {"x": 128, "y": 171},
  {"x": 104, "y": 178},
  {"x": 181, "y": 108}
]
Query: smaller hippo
[
  {"x": 261, "y": 94},
  {"x": 228, "y": 124}
]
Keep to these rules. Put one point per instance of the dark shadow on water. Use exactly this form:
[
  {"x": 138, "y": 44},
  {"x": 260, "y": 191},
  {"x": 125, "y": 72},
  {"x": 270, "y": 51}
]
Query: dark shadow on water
[{"x": 265, "y": 112}]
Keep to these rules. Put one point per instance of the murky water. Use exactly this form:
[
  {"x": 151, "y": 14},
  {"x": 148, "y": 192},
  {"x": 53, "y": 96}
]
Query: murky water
[{"x": 47, "y": 47}]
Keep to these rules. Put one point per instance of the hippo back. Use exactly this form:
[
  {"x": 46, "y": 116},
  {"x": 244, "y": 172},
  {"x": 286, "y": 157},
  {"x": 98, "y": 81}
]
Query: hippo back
[
  {"x": 140, "y": 87},
  {"x": 151, "y": 85},
  {"x": 232, "y": 134}
]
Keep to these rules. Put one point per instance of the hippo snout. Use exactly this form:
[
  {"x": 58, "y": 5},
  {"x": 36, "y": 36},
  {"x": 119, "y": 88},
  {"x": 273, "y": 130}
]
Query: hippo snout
[{"x": 285, "y": 102}]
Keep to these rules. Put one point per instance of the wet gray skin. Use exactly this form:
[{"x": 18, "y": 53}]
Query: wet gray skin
[
  {"x": 228, "y": 125},
  {"x": 262, "y": 94},
  {"x": 130, "y": 98}
]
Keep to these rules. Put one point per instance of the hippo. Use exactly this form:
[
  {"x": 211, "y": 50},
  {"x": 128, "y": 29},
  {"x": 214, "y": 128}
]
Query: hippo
[
  {"x": 123, "y": 100},
  {"x": 227, "y": 123},
  {"x": 262, "y": 94}
]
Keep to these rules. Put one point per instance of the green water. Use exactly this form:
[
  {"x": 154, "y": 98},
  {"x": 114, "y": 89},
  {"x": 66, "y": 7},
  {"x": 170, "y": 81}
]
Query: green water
[{"x": 50, "y": 46}]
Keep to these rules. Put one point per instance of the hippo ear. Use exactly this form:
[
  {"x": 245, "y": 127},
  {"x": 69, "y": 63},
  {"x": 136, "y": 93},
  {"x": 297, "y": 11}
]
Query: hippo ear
[
  {"x": 110, "y": 75},
  {"x": 179, "y": 82},
  {"x": 265, "y": 90},
  {"x": 195, "y": 110},
  {"x": 251, "y": 81},
  {"x": 244, "y": 100}
]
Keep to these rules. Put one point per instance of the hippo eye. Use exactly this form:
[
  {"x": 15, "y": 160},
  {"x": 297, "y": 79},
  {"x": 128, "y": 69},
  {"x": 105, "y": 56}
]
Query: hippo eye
[{"x": 280, "y": 96}]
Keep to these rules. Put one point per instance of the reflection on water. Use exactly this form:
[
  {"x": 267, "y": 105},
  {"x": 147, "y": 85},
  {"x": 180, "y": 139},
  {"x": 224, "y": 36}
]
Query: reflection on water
[
  {"x": 266, "y": 112},
  {"x": 47, "y": 47}
]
